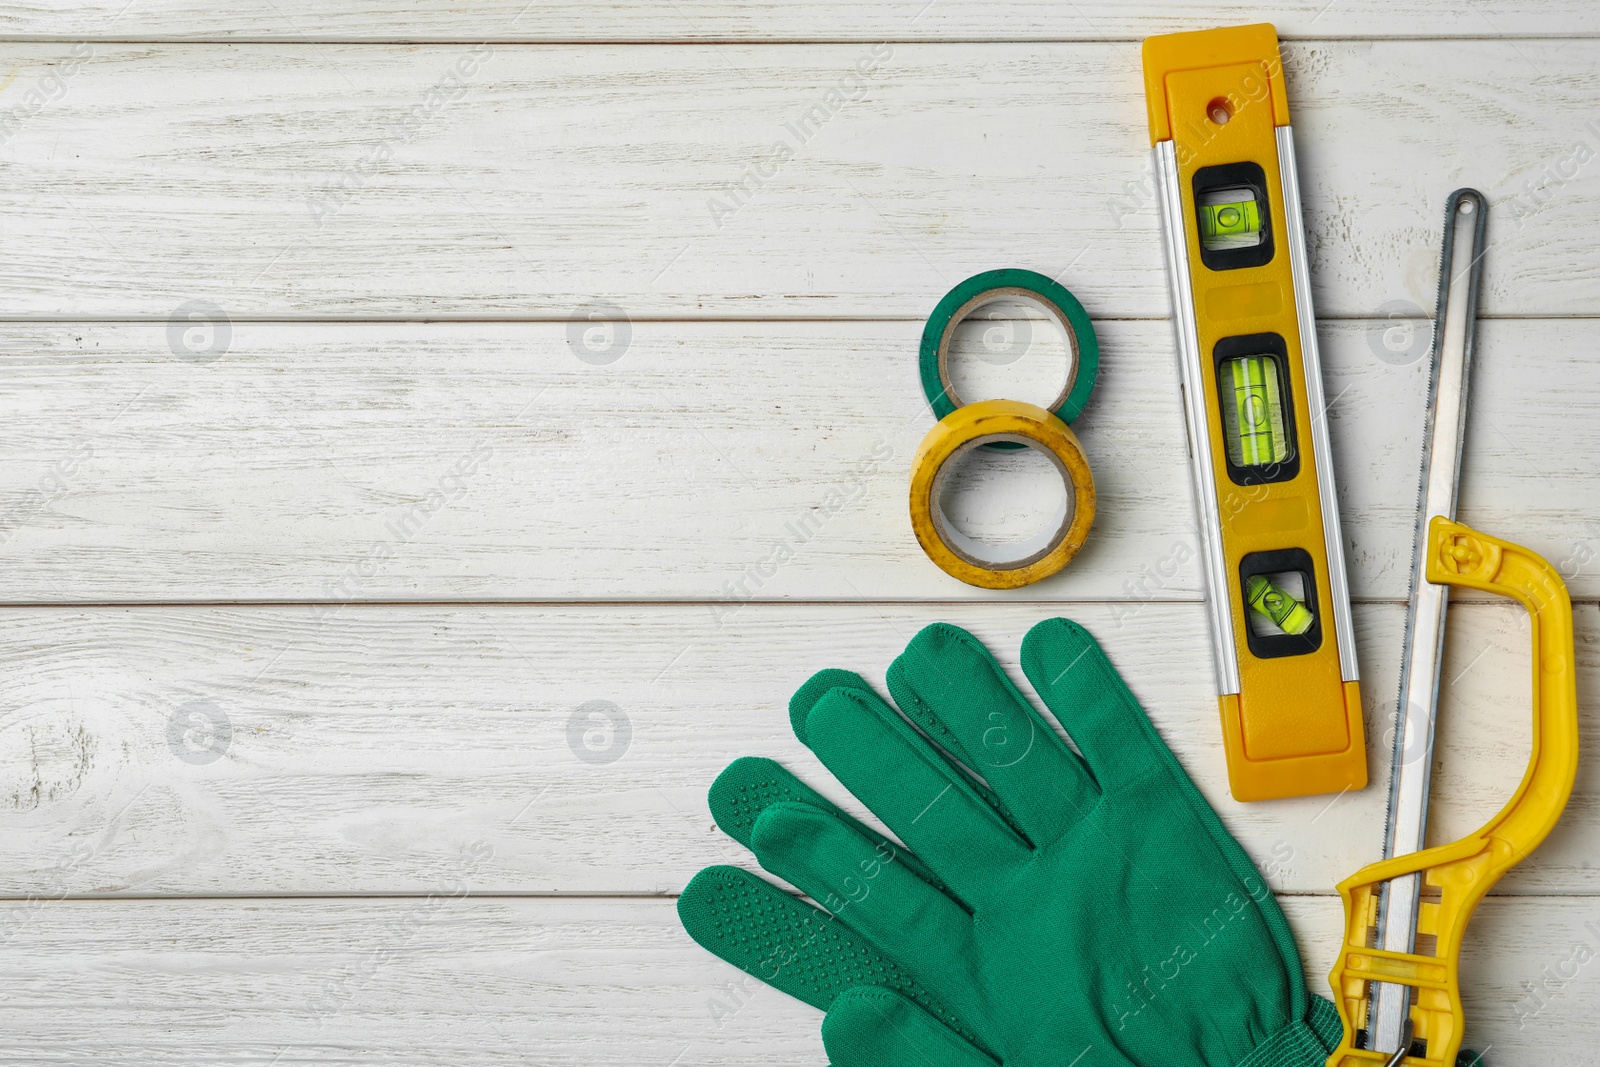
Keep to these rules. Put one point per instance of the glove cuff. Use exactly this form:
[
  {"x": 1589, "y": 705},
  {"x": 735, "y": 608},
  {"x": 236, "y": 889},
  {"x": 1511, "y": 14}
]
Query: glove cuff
[{"x": 1307, "y": 1043}]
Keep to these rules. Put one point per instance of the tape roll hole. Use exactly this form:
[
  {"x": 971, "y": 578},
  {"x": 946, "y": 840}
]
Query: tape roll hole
[
  {"x": 1002, "y": 509},
  {"x": 1009, "y": 345}
]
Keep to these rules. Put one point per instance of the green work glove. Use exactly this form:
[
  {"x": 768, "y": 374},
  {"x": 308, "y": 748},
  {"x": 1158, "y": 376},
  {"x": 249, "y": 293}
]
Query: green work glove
[{"x": 1045, "y": 910}]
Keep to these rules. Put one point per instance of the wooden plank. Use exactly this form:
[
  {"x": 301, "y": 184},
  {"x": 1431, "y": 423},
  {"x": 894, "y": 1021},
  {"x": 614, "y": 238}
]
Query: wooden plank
[
  {"x": 281, "y": 180},
  {"x": 653, "y": 20},
  {"x": 712, "y": 461},
  {"x": 272, "y": 751},
  {"x": 555, "y": 983}
]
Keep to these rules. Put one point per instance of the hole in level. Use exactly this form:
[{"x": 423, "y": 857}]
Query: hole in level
[{"x": 1219, "y": 111}]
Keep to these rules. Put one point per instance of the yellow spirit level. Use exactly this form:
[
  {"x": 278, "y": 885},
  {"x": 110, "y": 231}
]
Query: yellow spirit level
[{"x": 1258, "y": 438}]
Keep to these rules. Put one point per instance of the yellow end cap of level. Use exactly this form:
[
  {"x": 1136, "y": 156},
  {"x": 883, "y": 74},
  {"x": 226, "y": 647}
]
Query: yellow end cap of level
[
  {"x": 1230, "y": 46},
  {"x": 1342, "y": 768}
]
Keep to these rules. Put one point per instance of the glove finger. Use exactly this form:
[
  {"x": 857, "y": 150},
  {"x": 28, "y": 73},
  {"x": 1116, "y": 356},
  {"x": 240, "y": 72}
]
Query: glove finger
[
  {"x": 927, "y": 802},
  {"x": 947, "y": 682},
  {"x": 866, "y": 887},
  {"x": 1083, "y": 690},
  {"x": 790, "y": 945},
  {"x": 875, "y": 1027},
  {"x": 750, "y": 784},
  {"x": 805, "y": 699}
]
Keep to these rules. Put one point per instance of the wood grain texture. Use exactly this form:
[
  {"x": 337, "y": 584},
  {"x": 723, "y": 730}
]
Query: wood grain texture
[
  {"x": 712, "y": 461},
  {"x": 763, "y": 20},
  {"x": 739, "y": 182},
  {"x": 548, "y": 983},
  {"x": 267, "y": 751},
  {"x": 374, "y": 634}
]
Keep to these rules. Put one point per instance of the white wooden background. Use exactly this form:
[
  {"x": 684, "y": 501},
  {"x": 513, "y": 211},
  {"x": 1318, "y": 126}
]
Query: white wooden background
[{"x": 381, "y": 527}]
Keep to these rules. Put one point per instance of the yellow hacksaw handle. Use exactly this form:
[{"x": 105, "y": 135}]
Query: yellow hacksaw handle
[{"x": 1464, "y": 871}]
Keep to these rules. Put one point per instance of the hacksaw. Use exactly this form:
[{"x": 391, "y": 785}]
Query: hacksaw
[{"x": 1397, "y": 980}]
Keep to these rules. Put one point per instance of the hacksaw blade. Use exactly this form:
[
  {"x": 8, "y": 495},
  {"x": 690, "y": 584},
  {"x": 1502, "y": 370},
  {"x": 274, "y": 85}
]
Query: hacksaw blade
[{"x": 1466, "y": 213}]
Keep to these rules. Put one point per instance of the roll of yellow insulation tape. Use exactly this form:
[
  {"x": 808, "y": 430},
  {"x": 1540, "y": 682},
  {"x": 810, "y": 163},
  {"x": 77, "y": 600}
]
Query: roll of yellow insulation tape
[{"x": 989, "y": 422}]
